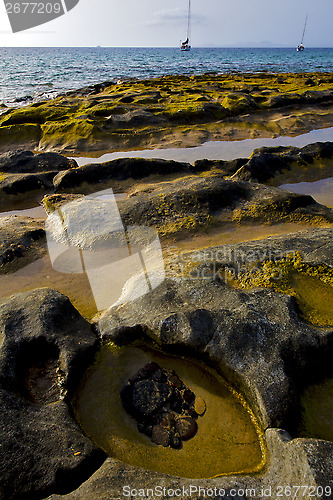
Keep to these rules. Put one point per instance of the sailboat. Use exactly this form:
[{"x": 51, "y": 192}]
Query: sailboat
[
  {"x": 300, "y": 48},
  {"x": 185, "y": 46}
]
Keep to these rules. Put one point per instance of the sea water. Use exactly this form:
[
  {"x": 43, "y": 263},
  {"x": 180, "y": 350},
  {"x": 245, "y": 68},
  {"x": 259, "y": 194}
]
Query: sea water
[{"x": 44, "y": 72}]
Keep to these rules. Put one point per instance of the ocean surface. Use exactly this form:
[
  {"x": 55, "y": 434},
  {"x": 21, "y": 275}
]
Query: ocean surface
[{"x": 44, "y": 72}]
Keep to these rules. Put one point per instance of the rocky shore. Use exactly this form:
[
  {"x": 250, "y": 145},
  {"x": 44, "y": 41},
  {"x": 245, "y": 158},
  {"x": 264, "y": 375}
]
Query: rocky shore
[
  {"x": 171, "y": 110},
  {"x": 257, "y": 313}
]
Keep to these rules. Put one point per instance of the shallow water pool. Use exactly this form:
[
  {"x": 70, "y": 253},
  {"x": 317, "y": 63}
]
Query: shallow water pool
[
  {"x": 228, "y": 438},
  {"x": 321, "y": 191},
  {"x": 216, "y": 150}
]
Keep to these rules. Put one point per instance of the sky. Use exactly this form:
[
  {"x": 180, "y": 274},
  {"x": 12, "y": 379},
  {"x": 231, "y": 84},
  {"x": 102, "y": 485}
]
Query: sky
[{"x": 156, "y": 23}]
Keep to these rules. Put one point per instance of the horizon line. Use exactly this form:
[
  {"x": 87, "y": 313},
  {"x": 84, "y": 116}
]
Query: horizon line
[{"x": 160, "y": 47}]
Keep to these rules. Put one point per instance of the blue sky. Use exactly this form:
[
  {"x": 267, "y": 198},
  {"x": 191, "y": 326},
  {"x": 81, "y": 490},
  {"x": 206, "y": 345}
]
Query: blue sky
[{"x": 149, "y": 23}]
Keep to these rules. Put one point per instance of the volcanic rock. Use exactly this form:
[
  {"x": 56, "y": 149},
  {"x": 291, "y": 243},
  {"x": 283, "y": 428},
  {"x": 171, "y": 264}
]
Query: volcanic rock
[
  {"x": 22, "y": 240},
  {"x": 45, "y": 346},
  {"x": 162, "y": 405}
]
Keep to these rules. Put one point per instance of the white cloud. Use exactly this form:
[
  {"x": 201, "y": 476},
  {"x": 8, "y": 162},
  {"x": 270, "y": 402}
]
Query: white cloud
[{"x": 176, "y": 16}]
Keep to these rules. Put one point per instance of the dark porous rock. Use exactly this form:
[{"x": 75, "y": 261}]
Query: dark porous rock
[
  {"x": 24, "y": 98},
  {"x": 146, "y": 397},
  {"x": 160, "y": 435},
  {"x": 45, "y": 347},
  {"x": 24, "y": 172},
  {"x": 119, "y": 169},
  {"x": 22, "y": 240},
  {"x": 21, "y": 162},
  {"x": 186, "y": 204},
  {"x": 256, "y": 339},
  {"x": 162, "y": 405},
  {"x": 226, "y": 167},
  {"x": 186, "y": 427},
  {"x": 20, "y": 184},
  {"x": 191, "y": 203},
  {"x": 267, "y": 162},
  {"x": 258, "y": 342}
]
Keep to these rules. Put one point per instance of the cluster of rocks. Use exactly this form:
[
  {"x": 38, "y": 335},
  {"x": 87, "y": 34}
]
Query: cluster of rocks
[
  {"x": 24, "y": 172},
  {"x": 164, "y": 408}
]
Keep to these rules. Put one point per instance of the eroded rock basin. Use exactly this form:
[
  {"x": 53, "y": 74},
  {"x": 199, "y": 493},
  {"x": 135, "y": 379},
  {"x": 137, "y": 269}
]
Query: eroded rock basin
[
  {"x": 317, "y": 411},
  {"x": 228, "y": 439}
]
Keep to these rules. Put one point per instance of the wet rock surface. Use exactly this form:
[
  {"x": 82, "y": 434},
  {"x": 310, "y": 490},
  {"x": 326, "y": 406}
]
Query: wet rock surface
[
  {"x": 256, "y": 336},
  {"x": 139, "y": 113},
  {"x": 44, "y": 346},
  {"x": 20, "y": 162},
  {"x": 255, "y": 339},
  {"x": 192, "y": 203},
  {"x": 268, "y": 162},
  {"x": 162, "y": 405},
  {"x": 24, "y": 172},
  {"x": 117, "y": 170},
  {"x": 22, "y": 240},
  {"x": 292, "y": 462}
]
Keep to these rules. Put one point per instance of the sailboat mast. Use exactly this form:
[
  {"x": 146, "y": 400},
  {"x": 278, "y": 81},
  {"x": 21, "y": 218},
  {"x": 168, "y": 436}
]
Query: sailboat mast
[
  {"x": 306, "y": 20},
  {"x": 189, "y": 20}
]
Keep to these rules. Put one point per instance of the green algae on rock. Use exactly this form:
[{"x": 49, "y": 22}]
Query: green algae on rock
[
  {"x": 192, "y": 202},
  {"x": 138, "y": 111},
  {"x": 312, "y": 286}
]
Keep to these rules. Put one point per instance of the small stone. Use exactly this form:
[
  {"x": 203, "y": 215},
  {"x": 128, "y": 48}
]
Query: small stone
[
  {"x": 188, "y": 395},
  {"x": 176, "y": 401},
  {"x": 159, "y": 376},
  {"x": 145, "y": 428},
  {"x": 187, "y": 427},
  {"x": 167, "y": 421},
  {"x": 146, "y": 397},
  {"x": 160, "y": 436},
  {"x": 199, "y": 405},
  {"x": 175, "y": 381},
  {"x": 175, "y": 441},
  {"x": 147, "y": 371}
]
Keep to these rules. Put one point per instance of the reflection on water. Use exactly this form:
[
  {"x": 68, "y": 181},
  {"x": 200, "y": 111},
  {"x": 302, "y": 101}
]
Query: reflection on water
[
  {"x": 321, "y": 191},
  {"x": 77, "y": 287},
  {"x": 41, "y": 274},
  {"x": 227, "y": 440},
  {"x": 36, "y": 212},
  {"x": 216, "y": 150}
]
